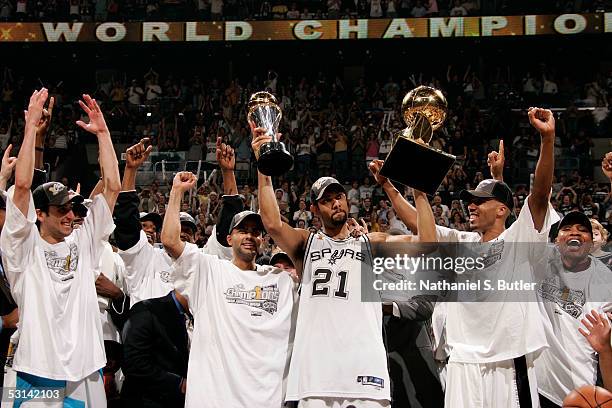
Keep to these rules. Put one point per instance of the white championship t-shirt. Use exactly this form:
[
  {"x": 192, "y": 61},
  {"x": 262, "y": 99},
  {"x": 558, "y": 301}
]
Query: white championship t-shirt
[
  {"x": 566, "y": 297},
  {"x": 243, "y": 334},
  {"x": 54, "y": 287},
  {"x": 490, "y": 331},
  {"x": 148, "y": 271},
  {"x": 111, "y": 266}
]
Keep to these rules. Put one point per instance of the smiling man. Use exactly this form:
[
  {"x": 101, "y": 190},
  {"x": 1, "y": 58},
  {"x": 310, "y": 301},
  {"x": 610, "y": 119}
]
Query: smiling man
[
  {"x": 244, "y": 313},
  {"x": 51, "y": 269},
  {"x": 574, "y": 283}
]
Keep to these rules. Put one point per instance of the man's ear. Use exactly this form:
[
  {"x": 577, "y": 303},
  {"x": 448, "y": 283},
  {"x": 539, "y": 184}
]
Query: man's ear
[
  {"x": 229, "y": 239},
  {"x": 39, "y": 215},
  {"x": 314, "y": 209}
]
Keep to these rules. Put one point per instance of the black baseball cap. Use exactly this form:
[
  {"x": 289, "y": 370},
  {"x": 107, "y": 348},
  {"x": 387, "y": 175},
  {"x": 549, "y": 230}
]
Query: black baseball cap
[
  {"x": 490, "y": 188},
  {"x": 187, "y": 219},
  {"x": 241, "y": 216},
  {"x": 154, "y": 217},
  {"x": 278, "y": 256},
  {"x": 576, "y": 217},
  {"x": 54, "y": 193},
  {"x": 322, "y": 184}
]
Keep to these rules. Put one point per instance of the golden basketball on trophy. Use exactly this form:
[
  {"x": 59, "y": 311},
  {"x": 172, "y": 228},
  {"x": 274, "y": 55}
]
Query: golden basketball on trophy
[
  {"x": 412, "y": 161},
  {"x": 273, "y": 159}
]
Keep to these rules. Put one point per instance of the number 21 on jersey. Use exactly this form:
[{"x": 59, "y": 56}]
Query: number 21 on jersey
[{"x": 321, "y": 283}]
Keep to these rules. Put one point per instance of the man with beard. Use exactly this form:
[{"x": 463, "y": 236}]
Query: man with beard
[
  {"x": 491, "y": 364},
  {"x": 244, "y": 314},
  {"x": 574, "y": 283},
  {"x": 339, "y": 358},
  {"x": 148, "y": 269}
]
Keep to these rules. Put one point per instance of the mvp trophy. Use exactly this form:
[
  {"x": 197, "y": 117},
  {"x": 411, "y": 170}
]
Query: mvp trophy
[
  {"x": 273, "y": 159},
  {"x": 412, "y": 161}
]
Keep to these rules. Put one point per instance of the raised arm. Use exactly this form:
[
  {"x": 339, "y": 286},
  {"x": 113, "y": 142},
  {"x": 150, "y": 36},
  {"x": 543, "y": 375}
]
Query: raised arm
[
  {"x": 403, "y": 209},
  {"x": 24, "y": 170},
  {"x": 227, "y": 162},
  {"x": 171, "y": 230},
  {"x": 496, "y": 161},
  {"x": 134, "y": 157},
  {"x": 231, "y": 204},
  {"x": 8, "y": 164},
  {"x": 41, "y": 134},
  {"x": 106, "y": 156},
  {"x": 292, "y": 240},
  {"x": 544, "y": 122}
]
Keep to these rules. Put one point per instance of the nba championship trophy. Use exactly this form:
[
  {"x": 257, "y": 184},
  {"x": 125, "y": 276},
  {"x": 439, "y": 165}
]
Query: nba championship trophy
[
  {"x": 412, "y": 161},
  {"x": 273, "y": 159}
]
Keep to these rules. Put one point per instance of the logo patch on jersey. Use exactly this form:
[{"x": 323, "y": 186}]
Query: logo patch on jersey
[
  {"x": 372, "y": 381},
  {"x": 165, "y": 276},
  {"x": 260, "y": 297},
  {"x": 63, "y": 266}
]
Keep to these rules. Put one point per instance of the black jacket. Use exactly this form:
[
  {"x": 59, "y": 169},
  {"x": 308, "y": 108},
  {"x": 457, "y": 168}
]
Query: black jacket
[
  {"x": 413, "y": 371},
  {"x": 155, "y": 354}
]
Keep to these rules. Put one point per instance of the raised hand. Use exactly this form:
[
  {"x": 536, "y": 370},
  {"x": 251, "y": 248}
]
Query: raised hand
[
  {"x": 260, "y": 137},
  {"x": 495, "y": 161},
  {"x": 375, "y": 167},
  {"x": 138, "y": 154},
  {"x": 357, "y": 229},
  {"x": 35, "y": 107},
  {"x": 47, "y": 114},
  {"x": 225, "y": 156},
  {"x": 8, "y": 164},
  {"x": 606, "y": 165},
  {"x": 184, "y": 181},
  {"x": 543, "y": 121},
  {"x": 598, "y": 334},
  {"x": 96, "y": 124}
]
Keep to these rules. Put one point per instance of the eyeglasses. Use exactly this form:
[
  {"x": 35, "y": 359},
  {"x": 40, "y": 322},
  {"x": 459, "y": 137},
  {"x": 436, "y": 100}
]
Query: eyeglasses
[
  {"x": 479, "y": 200},
  {"x": 63, "y": 209}
]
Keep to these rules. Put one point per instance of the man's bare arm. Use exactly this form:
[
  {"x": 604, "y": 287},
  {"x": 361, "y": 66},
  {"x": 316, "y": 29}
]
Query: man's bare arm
[
  {"x": 24, "y": 170},
  {"x": 227, "y": 162},
  {"x": 109, "y": 166},
  {"x": 403, "y": 209},
  {"x": 171, "y": 230},
  {"x": 291, "y": 240},
  {"x": 41, "y": 134},
  {"x": 543, "y": 121},
  {"x": 8, "y": 165},
  {"x": 134, "y": 157}
]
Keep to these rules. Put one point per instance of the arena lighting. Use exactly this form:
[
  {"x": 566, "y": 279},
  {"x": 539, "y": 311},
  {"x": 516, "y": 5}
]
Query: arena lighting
[{"x": 148, "y": 114}]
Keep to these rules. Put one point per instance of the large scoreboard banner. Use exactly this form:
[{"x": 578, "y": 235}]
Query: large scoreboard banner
[{"x": 307, "y": 30}]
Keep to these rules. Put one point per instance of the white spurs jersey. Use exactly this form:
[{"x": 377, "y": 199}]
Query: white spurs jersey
[{"x": 338, "y": 350}]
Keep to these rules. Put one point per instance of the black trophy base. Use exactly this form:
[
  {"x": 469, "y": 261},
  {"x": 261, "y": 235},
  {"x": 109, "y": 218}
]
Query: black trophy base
[
  {"x": 416, "y": 165},
  {"x": 274, "y": 159}
]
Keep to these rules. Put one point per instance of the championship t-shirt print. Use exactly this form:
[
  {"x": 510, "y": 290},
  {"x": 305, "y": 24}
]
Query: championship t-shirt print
[{"x": 62, "y": 260}]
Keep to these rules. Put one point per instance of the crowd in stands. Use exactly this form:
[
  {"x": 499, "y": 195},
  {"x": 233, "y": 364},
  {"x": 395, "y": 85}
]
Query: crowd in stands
[
  {"x": 216, "y": 10},
  {"x": 332, "y": 128}
]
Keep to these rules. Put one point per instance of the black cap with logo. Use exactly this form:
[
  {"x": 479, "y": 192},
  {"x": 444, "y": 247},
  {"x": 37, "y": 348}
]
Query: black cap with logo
[
  {"x": 490, "y": 188},
  {"x": 54, "y": 193},
  {"x": 576, "y": 217}
]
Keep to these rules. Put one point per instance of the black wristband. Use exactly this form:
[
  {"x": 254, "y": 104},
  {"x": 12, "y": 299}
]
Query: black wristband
[{"x": 40, "y": 149}]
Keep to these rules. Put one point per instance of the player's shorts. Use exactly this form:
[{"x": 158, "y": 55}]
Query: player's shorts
[
  {"x": 502, "y": 384},
  {"x": 86, "y": 393},
  {"x": 342, "y": 403}
]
